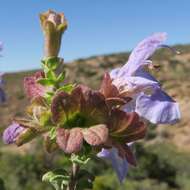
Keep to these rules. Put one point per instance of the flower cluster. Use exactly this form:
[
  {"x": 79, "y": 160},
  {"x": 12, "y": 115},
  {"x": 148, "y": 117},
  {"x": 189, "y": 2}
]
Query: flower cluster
[{"x": 83, "y": 122}]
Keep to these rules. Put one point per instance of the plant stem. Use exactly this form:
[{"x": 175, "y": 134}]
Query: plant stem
[{"x": 73, "y": 181}]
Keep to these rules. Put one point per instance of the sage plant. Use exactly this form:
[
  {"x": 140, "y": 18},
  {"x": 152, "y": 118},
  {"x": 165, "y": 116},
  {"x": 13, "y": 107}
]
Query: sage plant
[{"x": 83, "y": 122}]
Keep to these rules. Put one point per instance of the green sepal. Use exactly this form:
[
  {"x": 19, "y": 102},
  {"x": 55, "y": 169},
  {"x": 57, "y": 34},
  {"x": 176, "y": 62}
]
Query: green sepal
[
  {"x": 81, "y": 160},
  {"x": 26, "y": 136},
  {"x": 58, "y": 178},
  {"x": 62, "y": 27}
]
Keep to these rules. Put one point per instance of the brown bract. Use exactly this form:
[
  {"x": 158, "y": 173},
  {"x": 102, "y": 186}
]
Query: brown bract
[
  {"x": 89, "y": 105},
  {"x": 111, "y": 92},
  {"x": 71, "y": 140},
  {"x": 85, "y": 115},
  {"x": 32, "y": 88}
]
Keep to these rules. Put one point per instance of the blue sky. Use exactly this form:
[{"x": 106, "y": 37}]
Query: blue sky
[{"x": 95, "y": 27}]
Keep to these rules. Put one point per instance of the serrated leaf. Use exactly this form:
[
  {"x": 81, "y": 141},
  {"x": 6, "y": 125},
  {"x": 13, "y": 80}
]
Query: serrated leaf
[{"x": 46, "y": 82}]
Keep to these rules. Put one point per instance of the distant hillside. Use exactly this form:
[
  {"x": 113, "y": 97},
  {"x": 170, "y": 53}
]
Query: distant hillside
[{"x": 174, "y": 74}]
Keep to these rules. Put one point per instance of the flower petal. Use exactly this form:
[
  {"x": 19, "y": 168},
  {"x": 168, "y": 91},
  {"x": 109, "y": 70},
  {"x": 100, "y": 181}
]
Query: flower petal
[
  {"x": 119, "y": 164},
  {"x": 70, "y": 141},
  {"x": 141, "y": 53},
  {"x": 158, "y": 108},
  {"x": 134, "y": 84},
  {"x": 96, "y": 135},
  {"x": 144, "y": 74},
  {"x": 114, "y": 73}
]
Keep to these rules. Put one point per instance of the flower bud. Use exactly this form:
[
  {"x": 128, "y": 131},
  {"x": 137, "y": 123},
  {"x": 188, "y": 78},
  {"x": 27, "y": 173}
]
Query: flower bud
[
  {"x": 53, "y": 25},
  {"x": 12, "y": 132}
]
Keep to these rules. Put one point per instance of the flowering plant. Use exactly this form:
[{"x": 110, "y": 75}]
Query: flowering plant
[{"x": 83, "y": 122}]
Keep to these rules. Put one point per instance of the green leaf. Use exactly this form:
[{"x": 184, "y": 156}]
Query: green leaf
[
  {"x": 52, "y": 133},
  {"x": 46, "y": 82},
  {"x": 52, "y": 62},
  {"x": 61, "y": 77},
  {"x": 67, "y": 88},
  {"x": 58, "y": 178},
  {"x": 51, "y": 75},
  {"x": 81, "y": 160}
]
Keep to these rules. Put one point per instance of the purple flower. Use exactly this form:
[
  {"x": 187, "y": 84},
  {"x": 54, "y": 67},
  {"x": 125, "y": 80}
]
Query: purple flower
[
  {"x": 12, "y": 132},
  {"x": 150, "y": 101}
]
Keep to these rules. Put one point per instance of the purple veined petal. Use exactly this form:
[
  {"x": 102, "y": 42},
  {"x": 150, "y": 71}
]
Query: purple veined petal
[
  {"x": 141, "y": 53},
  {"x": 130, "y": 106},
  {"x": 144, "y": 74},
  {"x": 114, "y": 73},
  {"x": 119, "y": 165},
  {"x": 11, "y": 133},
  {"x": 158, "y": 108},
  {"x": 133, "y": 85}
]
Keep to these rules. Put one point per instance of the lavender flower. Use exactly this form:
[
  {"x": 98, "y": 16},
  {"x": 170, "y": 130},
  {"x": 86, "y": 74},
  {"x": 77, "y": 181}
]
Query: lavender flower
[
  {"x": 11, "y": 133},
  {"x": 119, "y": 164},
  {"x": 148, "y": 99}
]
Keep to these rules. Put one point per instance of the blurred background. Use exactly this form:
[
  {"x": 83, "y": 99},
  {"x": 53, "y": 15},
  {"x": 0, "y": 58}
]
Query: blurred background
[{"x": 100, "y": 36}]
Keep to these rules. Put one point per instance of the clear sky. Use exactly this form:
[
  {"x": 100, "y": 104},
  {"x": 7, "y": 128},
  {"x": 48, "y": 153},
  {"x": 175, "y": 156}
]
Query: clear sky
[{"x": 95, "y": 27}]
